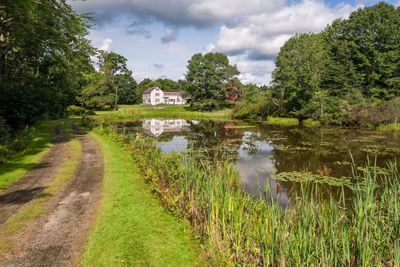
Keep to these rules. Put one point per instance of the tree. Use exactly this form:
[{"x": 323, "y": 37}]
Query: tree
[
  {"x": 365, "y": 52},
  {"x": 207, "y": 75},
  {"x": 300, "y": 66},
  {"x": 44, "y": 57},
  {"x": 111, "y": 85},
  {"x": 127, "y": 88},
  {"x": 112, "y": 64}
]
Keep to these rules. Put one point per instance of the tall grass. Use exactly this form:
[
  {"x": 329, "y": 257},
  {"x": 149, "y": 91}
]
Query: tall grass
[
  {"x": 241, "y": 230},
  {"x": 391, "y": 127}
]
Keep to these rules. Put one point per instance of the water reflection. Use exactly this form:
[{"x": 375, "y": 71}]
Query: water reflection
[
  {"x": 260, "y": 151},
  {"x": 158, "y": 127}
]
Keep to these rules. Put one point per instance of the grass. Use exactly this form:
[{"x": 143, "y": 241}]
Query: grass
[
  {"x": 282, "y": 121},
  {"x": 19, "y": 164},
  {"x": 241, "y": 230},
  {"x": 36, "y": 207},
  {"x": 132, "y": 227},
  {"x": 162, "y": 111},
  {"x": 392, "y": 127}
]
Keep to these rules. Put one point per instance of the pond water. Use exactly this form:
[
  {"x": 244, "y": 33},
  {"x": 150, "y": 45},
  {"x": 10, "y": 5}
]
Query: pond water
[{"x": 260, "y": 151}]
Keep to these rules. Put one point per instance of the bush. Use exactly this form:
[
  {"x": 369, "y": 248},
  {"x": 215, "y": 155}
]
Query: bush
[
  {"x": 76, "y": 110},
  {"x": 257, "y": 106},
  {"x": 207, "y": 105}
]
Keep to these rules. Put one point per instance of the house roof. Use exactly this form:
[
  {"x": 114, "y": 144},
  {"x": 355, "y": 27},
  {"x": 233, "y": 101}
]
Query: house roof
[{"x": 148, "y": 90}]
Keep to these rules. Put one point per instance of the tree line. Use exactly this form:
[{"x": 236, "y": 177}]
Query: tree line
[{"x": 348, "y": 74}]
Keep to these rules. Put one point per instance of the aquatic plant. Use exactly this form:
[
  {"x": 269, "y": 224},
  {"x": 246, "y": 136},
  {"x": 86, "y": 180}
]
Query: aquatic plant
[{"x": 242, "y": 230}]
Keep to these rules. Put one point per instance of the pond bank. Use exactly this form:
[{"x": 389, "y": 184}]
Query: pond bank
[
  {"x": 239, "y": 229},
  {"x": 132, "y": 228}
]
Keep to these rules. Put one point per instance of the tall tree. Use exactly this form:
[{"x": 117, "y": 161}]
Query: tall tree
[
  {"x": 365, "y": 52},
  {"x": 207, "y": 75},
  {"x": 112, "y": 64},
  {"x": 43, "y": 58},
  {"x": 103, "y": 87},
  {"x": 300, "y": 66}
]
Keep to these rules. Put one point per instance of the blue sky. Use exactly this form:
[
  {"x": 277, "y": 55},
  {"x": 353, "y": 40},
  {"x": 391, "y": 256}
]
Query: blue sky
[{"x": 158, "y": 37}]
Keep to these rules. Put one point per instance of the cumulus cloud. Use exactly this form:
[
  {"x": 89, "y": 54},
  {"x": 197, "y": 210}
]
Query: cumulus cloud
[
  {"x": 255, "y": 40},
  {"x": 198, "y": 13},
  {"x": 106, "y": 44},
  {"x": 262, "y": 35},
  {"x": 251, "y": 32}
]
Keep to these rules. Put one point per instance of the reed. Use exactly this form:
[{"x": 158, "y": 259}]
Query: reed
[{"x": 242, "y": 230}]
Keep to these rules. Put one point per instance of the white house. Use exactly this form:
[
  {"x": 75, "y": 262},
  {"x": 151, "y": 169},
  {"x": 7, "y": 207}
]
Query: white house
[{"x": 156, "y": 96}]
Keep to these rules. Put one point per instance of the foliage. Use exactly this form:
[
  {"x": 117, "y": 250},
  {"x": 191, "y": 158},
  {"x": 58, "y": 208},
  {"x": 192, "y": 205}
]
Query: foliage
[
  {"x": 300, "y": 66},
  {"x": 111, "y": 85},
  {"x": 207, "y": 76},
  {"x": 346, "y": 75},
  {"x": 76, "y": 110},
  {"x": 43, "y": 58},
  {"x": 243, "y": 230},
  {"x": 256, "y": 103},
  {"x": 163, "y": 84}
]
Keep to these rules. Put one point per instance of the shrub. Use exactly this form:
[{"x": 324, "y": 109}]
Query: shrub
[
  {"x": 257, "y": 106},
  {"x": 76, "y": 110}
]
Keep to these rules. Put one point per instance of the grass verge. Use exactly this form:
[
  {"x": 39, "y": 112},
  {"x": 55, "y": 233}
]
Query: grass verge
[
  {"x": 282, "y": 121},
  {"x": 132, "y": 228},
  {"x": 36, "y": 207},
  {"x": 19, "y": 164}
]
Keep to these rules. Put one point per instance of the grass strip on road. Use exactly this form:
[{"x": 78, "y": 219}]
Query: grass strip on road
[
  {"x": 132, "y": 227},
  {"x": 36, "y": 207}
]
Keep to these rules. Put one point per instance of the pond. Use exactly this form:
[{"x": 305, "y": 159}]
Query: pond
[{"x": 260, "y": 151}]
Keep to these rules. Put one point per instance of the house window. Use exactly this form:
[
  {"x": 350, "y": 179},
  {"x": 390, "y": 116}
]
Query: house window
[
  {"x": 157, "y": 94},
  {"x": 157, "y": 100}
]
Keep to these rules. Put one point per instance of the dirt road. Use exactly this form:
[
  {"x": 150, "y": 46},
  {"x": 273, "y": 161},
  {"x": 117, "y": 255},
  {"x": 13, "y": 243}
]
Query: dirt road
[{"x": 57, "y": 238}]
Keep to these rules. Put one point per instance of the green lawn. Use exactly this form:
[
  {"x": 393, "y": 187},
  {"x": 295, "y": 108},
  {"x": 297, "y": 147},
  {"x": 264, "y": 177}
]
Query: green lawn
[
  {"x": 164, "y": 111},
  {"x": 18, "y": 165},
  {"x": 132, "y": 228}
]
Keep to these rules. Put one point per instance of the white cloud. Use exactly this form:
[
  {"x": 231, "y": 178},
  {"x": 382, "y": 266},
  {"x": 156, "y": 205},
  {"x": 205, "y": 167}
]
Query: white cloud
[
  {"x": 264, "y": 34},
  {"x": 252, "y": 71},
  {"x": 106, "y": 44},
  {"x": 251, "y": 32},
  {"x": 255, "y": 40}
]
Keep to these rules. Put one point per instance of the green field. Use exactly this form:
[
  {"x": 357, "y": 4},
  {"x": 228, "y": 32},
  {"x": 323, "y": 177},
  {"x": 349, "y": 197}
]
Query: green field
[{"x": 163, "y": 111}]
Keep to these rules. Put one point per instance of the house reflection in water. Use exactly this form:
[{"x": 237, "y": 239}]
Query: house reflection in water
[{"x": 158, "y": 127}]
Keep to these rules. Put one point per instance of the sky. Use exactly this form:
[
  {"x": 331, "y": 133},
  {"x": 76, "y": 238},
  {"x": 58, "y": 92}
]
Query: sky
[{"x": 158, "y": 37}]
